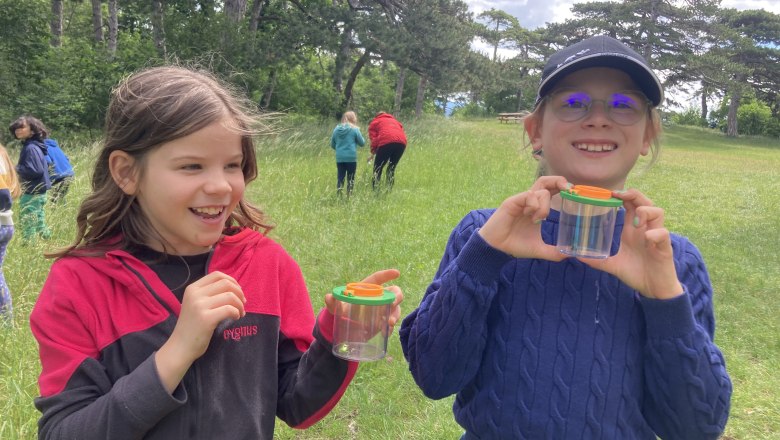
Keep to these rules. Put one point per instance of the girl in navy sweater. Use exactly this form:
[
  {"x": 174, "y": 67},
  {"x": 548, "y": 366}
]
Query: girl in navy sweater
[
  {"x": 536, "y": 345},
  {"x": 33, "y": 171}
]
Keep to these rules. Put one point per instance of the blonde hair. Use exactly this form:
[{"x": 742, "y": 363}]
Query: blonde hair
[
  {"x": 8, "y": 177},
  {"x": 147, "y": 109},
  {"x": 349, "y": 118}
]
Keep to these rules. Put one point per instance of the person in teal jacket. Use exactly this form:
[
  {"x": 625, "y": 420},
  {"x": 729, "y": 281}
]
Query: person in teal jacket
[{"x": 346, "y": 139}]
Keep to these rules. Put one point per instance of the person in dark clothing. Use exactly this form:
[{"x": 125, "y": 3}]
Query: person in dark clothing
[
  {"x": 33, "y": 171},
  {"x": 388, "y": 143},
  {"x": 539, "y": 345}
]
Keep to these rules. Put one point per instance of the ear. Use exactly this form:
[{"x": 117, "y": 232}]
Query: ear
[
  {"x": 533, "y": 129},
  {"x": 123, "y": 171},
  {"x": 651, "y": 133},
  {"x": 645, "y": 146}
]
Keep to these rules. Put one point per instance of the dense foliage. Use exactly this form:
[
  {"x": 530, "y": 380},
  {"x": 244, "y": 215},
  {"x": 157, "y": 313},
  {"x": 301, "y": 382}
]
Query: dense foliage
[{"x": 60, "y": 58}]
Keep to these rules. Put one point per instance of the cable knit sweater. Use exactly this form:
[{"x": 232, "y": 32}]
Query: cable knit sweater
[{"x": 541, "y": 350}]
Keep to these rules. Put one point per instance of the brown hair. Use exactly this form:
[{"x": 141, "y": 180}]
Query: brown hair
[
  {"x": 147, "y": 109},
  {"x": 38, "y": 131},
  {"x": 8, "y": 174}
]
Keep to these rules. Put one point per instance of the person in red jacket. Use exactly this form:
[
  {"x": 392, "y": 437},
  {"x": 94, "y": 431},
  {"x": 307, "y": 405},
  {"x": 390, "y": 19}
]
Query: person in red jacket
[
  {"x": 388, "y": 143},
  {"x": 173, "y": 315}
]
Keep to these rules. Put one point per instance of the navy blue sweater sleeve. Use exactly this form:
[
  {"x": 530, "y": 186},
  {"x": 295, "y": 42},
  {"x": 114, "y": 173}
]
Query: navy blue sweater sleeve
[
  {"x": 444, "y": 338},
  {"x": 6, "y": 202},
  {"x": 31, "y": 165},
  {"x": 688, "y": 390}
]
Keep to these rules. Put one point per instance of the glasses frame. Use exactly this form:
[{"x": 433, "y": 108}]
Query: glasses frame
[{"x": 607, "y": 109}]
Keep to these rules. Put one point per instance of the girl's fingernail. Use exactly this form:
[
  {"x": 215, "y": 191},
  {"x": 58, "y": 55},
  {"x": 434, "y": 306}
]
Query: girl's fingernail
[
  {"x": 621, "y": 191},
  {"x": 538, "y": 221},
  {"x": 569, "y": 185},
  {"x": 636, "y": 222}
]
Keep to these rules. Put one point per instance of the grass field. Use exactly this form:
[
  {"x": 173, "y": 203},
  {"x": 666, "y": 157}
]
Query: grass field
[{"x": 721, "y": 193}]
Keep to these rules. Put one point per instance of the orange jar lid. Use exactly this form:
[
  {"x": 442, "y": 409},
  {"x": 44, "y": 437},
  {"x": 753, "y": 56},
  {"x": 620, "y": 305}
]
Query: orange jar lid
[{"x": 591, "y": 195}]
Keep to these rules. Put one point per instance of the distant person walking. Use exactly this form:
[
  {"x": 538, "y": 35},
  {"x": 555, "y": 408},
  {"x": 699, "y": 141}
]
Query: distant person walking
[
  {"x": 388, "y": 142},
  {"x": 60, "y": 170},
  {"x": 33, "y": 170},
  {"x": 9, "y": 190},
  {"x": 346, "y": 139}
]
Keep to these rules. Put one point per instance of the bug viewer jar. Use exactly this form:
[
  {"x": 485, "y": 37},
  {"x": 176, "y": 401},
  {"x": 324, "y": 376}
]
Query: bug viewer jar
[
  {"x": 587, "y": 221},
  {"x": 360, "y": 328}
]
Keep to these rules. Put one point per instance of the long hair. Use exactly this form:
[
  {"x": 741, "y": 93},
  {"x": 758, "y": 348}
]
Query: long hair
[
  {"x": 147, "y": 109},
  {"x": 38, "y": 131},
  {"x": 8, "y": 174}
]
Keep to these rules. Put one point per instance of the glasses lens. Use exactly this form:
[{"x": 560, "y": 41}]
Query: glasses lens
[
  {"x": 570, "y": 106},
  {"x": 624, "y": 108}
]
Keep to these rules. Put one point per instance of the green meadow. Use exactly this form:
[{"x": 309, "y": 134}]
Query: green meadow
[{"x": 722, "y": 193}]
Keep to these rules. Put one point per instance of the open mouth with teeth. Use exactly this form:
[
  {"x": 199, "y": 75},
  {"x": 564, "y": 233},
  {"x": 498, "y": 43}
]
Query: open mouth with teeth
[
  {"x": 209, "y": 212},
  {"x": 595, "y": 148}
]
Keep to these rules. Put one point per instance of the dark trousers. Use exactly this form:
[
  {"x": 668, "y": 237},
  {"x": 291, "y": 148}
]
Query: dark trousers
[
  {"x": 345, "y": 169},
  {"x": 59, "y": 188},
  {"x": 389, "y": 154}
]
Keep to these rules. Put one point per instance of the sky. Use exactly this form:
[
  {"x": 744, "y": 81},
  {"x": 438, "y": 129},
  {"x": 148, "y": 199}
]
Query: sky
[{"x": 535, "y": 13}]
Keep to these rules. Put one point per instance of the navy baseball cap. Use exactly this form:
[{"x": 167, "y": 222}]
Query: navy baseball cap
[{"x": 600, "y": 51}]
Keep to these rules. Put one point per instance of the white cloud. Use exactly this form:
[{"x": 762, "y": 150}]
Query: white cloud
[
  {"x": 535, "y": 13},
  {"x": 767, "y": 5}
]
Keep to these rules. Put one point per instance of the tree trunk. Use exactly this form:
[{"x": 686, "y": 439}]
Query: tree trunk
[
  {"x": 647, "y": 49},
  {"x": 269, "y": 91},
  {"x": 353, "y": 77},
  {"x": 495, "y": 46},
  {"x": 736, "y": 99},
  {"x": 257, "y": 10},
  {"x": 113, "y": 27},
  {"x": 158, "y": 31},
  {"x": 420, "y": 96},
  {"x": 97, "y": 21},
  {"x": 519, "y": 94},
  {"x": 56, "y": 23},
  {"x": 235, "y": 9},
  {"x": 342, "y": 57},
  {"x": 704, "y": 109},
  {"x": 732, "y": 129},
  {"x": 399, "y": 91}
]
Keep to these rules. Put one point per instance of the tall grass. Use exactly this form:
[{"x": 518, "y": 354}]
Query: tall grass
[{"x": 721, "y": 193}]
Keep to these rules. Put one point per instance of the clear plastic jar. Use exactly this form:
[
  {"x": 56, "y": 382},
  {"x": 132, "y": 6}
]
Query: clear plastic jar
[
  {"x": 587, "y": 221},
  {"x": 360, "y": 328}
]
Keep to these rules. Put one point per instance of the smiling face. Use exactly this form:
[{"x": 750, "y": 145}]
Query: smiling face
[
  {"x": 594, "y": 150},
  {"x": 189, "y": 187}
]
